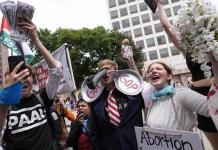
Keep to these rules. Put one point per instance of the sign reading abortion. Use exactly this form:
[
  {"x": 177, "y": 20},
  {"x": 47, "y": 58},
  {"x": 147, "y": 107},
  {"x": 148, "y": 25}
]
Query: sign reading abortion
[{"x": 163, "y": 139}]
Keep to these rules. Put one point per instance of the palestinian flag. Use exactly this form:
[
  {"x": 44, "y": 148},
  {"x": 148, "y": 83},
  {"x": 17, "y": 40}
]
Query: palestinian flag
[
  {"x": 5, "y": 37},
  {"x": 17, "y": 48}
]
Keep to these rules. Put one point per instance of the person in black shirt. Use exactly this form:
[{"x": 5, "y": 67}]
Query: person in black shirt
[{"x": 27, "y": 125}]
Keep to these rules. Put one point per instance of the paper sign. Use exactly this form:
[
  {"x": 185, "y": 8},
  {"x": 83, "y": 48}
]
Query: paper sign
[{"x": 164, "y": 139}]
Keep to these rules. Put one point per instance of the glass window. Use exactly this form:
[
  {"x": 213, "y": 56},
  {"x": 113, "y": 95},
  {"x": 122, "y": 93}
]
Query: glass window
[
  {"x": 138, "y": 32},
  {"x": 158, "y": 28},
  {"x": 133, "y": 9},
  {"x": 161, "y": 40},
  {"x": 150, "y": 42},
  {"x": 148, "y": 30},
  {"x": 128, "y": 33},
  {"x": 144, "y": 56},
  {"x": 131, "y": 1},
  {"x": 121, "y": 2},
  {"x": 140, "y": 44},
  {"x": 174, "y": 51},
  {"x": 164, "y": 52},
  {"x": 168, "y": 12},
  {"x": 123, "y": 12},
  {"x": 135, "y": 20},
  {"x": 153, "y": 55},
  {"x": 166, "y": 2},
  {"x": 155, "y": 16},
  {"x": 173, "y": 1},
  {"x": 116, "y": 25},
  {"x": 114, "y": 14},
  {"x": 176, "y": 9},
  {"x": 143, "y": 6},
  {"x": 125, "y": 23},
  {"x": 145, "y": 18},
  {"x": 112, "y": 3}
]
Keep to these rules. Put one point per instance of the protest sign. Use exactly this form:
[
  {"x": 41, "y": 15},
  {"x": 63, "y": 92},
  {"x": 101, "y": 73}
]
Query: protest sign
[
  {"x": 67, "y": 81},
  {"x": 165, "y": 139}
]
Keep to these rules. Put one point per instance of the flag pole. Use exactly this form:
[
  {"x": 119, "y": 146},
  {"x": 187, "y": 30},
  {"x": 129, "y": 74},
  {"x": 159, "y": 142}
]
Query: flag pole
[{"x": 71, "y": 70}]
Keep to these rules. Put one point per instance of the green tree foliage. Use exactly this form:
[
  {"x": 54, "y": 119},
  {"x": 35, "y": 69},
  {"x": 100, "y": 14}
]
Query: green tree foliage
[{"x": 87, "y": 47}]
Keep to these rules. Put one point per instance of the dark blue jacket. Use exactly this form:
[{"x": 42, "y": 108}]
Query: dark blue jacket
[{"x": 105, "y": 135}]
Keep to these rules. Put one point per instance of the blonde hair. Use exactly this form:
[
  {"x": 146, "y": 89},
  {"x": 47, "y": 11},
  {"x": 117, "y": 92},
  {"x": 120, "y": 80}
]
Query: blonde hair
[{"x": 108, "y": 62}]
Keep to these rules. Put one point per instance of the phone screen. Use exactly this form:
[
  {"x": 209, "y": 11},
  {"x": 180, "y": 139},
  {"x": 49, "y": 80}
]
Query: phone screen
[{"x": 13, "y": 61}]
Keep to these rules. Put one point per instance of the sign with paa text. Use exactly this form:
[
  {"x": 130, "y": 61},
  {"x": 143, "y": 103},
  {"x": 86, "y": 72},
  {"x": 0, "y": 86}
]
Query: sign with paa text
[{"x": 165, "y": 139}]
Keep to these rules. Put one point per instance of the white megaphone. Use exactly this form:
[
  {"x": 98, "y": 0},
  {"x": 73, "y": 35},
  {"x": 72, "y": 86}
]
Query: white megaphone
[
  {"x": 92, "y": 86},
  {"x": 126, "y": 81}
]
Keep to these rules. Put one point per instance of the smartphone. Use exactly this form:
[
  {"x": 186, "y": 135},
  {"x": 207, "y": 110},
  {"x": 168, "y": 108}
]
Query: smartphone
[{"x": 13, "y": 61}]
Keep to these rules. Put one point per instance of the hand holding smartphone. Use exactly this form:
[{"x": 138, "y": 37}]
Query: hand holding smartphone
[{"x": 14, "y": 60}]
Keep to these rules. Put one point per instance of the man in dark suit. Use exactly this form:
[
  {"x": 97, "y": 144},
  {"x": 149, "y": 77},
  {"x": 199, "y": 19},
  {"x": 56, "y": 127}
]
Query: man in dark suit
[{"x": 114, "y": 129}]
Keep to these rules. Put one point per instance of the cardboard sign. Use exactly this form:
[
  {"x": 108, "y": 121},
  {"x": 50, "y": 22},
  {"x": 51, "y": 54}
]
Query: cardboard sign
[
  {"x": 165, "y": 139},
  {"x": 152, "y": 4}
]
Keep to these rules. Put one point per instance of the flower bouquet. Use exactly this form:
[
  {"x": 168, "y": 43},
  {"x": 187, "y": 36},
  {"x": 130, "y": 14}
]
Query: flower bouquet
[{"x": 197, "y": 30}]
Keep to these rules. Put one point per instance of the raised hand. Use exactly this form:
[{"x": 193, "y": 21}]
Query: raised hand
[{"x": 28, "y": 25}]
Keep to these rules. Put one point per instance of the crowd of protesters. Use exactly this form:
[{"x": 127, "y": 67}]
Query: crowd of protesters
[{"x": 36, "y": 120}]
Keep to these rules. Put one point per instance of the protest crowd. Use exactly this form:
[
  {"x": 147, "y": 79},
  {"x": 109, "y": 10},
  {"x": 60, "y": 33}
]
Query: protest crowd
[{"x": 114, "y": 109}]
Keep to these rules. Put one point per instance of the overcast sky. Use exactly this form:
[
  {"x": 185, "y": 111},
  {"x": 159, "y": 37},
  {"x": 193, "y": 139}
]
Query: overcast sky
[{"x": 73, "y": 14}]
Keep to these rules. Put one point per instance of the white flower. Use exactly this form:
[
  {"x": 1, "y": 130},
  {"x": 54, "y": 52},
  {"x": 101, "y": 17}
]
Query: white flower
[{"x": 196, "y": 29}]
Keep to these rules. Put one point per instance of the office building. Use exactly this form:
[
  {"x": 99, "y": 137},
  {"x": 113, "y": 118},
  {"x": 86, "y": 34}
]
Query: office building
[{"x": 134, "y": 19}]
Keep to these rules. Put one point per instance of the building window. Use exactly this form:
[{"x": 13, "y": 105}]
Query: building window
[
  {"x": 133, "y": 9},
  {"x": 128, "y": 33},
  {"x": 155, "y": 16},
  {"x": 143, "y": 6},
  {"x": 121, "y": 2},
  {"x": 153, "y": 55},
  {"x": 176, "y": 9},
  {"x": 168, "y": 12},
  {"x": 174, "y": 51},
  {"x": 123, "y": 12},
  {"x": 165, "y": 2},
  {"x": 125, "y": 23},
  {"x": 150, "y": 42},
  {"x": 135, "y": 21},
  {"x": 112, "y": 3},
  {"x": 144, "y": 56},
  {"x": 145, "y": 18},
  {"x": 161, "y": 40},
  {"x": 116, "y": 25},
  {"x": 164, "y": 52},
  {"x": 148, "y": 30},
  {"x": 131, "y": 1},
  {"x": 158, "y": 28},
  {"x": 138, "y": 32},
  {"x": 140, "y": 44},
  {"x": 114, "y": 14},
  {"x": 173, "y": 1}
]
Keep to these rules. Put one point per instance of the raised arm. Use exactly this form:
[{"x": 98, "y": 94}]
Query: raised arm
[
  {"x": 168, "y": 28},
  {"x": 54, "y": 72},
  {"x": 32, "y": 30},
  {"x": 127, "y": 54}
]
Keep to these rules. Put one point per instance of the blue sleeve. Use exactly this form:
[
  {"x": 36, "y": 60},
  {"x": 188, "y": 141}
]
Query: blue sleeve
[{"x": 11, "y": 94}]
